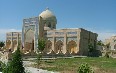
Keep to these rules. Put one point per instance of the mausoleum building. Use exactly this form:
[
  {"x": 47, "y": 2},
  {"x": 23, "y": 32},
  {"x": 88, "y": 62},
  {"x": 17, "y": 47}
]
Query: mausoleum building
[{"x": 68, "y": 40}]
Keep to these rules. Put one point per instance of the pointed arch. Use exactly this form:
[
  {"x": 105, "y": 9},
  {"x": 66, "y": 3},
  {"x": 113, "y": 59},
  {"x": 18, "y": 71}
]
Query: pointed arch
[
  {"x": 29, "y": 35},
  {"x": 58, "y": 46},
  {"x": 14, "y": 45},
  {"x": 8, "y": 44},
  {"x": 72, "y": 47},
  {"x": 48, "y": 47},
  {"x": 29, "y": 40}
]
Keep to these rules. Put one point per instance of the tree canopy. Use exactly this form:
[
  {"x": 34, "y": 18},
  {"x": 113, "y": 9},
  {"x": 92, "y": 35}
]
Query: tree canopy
[
  {"x": 41, "y": 44},
  {"x": 16, "y": 64},
  {"x": 91, "y": 48},
  {"x": 2, "y": 44},
  {"x": 100, "y": 43}
]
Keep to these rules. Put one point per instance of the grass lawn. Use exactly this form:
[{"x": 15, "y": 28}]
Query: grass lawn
[{"x": 70, "y": 65}]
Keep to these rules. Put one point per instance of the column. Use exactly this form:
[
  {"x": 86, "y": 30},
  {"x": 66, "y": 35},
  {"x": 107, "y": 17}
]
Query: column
[
  {"x": 11, "y": 41},
  {"x": 35, "y": 38},
  {"x": 65, "y": 43},
  {"x": 18, "y": 43},
  {"x": 53, "y": 43}
]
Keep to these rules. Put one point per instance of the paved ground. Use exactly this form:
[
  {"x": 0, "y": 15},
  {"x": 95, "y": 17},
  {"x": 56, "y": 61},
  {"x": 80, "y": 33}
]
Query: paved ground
[
  {"x": 27, "y": 63},
  {"x": 35, "y": 70}
]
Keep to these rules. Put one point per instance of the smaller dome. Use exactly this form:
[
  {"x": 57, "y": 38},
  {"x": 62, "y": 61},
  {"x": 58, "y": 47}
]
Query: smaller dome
[{"x": 48, "y": 15}]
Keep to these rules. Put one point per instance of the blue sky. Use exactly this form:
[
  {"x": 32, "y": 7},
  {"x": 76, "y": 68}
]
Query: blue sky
[{"x": 95, "y": 15}]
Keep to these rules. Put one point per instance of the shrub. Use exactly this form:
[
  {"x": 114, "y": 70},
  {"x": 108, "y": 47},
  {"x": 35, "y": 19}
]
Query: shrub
[
  {"x": 5, "y": 68},
  {"x": 85, "y": 68}
]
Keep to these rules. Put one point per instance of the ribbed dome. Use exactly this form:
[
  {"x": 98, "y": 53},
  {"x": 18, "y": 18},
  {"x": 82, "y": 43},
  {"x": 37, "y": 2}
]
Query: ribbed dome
[{"x": 48, "y": 15}]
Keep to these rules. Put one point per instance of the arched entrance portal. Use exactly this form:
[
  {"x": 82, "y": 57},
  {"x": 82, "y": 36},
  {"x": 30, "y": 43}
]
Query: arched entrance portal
[
  {"x": 29, "y": 40},
  {"x": 58, "y": 46},
  {"x": 48, "y": 48},
  {"x": 72, "y": 47}
]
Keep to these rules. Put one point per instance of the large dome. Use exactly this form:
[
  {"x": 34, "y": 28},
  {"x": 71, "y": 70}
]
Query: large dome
[{"x": 48, "y": 15}]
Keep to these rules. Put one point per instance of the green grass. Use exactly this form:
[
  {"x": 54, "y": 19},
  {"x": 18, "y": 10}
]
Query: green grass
[{"x": 71, "y": 64}]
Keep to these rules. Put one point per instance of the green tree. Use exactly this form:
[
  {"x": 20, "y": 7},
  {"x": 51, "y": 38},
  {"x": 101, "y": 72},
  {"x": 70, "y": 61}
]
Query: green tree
[
  {"x": 2, "y": 44},
  {"x": 5, "y": 68},
  {"x": 85, "y": 68},
  {"x": 90, "y": 48},
  {"x": 16, "y": 64},
  {"x": 41, "y": 46},
  {"x": 100, "y": 43},
  {"x": 1, "y": 66}
]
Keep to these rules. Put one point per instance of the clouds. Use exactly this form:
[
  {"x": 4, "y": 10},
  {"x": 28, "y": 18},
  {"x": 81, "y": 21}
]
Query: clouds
[
  {"x": 4, "y": 31},
  {"x": 105, "y": 35}
]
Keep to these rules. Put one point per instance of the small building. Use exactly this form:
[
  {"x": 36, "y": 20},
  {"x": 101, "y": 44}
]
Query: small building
[
  {"x": 13, "y": 39},
  {"x": 75, "y": 41},
  {"x": 110, "y": 43}
]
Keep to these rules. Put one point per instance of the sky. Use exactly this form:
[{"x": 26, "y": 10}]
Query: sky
[{"x": 98, "y": 16}]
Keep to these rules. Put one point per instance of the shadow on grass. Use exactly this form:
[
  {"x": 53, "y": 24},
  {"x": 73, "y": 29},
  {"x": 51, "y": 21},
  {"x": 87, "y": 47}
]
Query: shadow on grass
[{"x": 48, "y": 61}]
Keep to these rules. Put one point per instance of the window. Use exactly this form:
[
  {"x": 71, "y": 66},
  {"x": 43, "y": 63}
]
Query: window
[
  {"x": 49, "y": 33},
  {"x": 8, "y": 34},
  {"x": 59, "y": 33},
  {"x": 14, "y": 34},
  {"x": 71, "y": 32}
]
